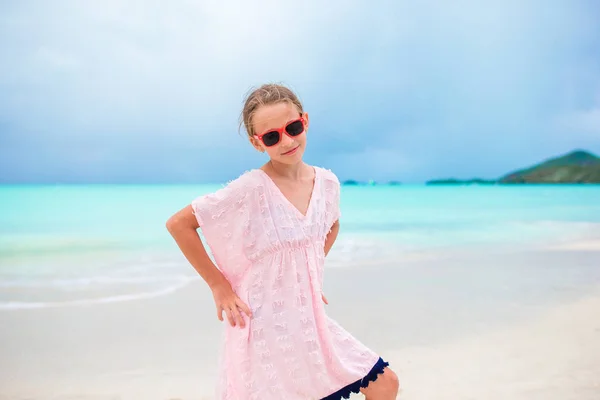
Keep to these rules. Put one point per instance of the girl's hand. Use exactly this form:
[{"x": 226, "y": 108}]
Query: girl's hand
[
  {"x": 226, "y": 300},
  {"x": 324, "y": 298}
]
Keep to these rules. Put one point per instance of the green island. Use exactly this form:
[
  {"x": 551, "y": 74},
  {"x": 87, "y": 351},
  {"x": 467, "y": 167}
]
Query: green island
[
  {"x": 453, "y": 181},
  {"x": 578, "y": 166},
  {"x": 351, "y": 182}
]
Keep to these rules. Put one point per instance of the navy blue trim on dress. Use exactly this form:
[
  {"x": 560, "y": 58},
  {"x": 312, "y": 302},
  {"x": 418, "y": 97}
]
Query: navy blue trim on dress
[{"x": 344, "y": 393}]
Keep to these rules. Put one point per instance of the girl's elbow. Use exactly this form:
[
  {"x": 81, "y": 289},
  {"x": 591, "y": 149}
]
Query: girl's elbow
[
  {"x": 336, "y": 225},
  {"x": 175, "y": 223},
  {"x": 182, "y": 220},
  {"x": 171, "y": 224}
]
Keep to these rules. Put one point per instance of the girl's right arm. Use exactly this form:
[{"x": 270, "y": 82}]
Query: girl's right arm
[{"x": 183, "y": 227}]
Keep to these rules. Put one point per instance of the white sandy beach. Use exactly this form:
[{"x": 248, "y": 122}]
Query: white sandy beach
[
  {"x": 521, "y": 325},
  {"x": 555, "y": 356}
]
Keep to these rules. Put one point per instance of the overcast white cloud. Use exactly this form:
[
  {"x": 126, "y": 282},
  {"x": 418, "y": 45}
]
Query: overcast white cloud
[{"x": 151, "y": 91}]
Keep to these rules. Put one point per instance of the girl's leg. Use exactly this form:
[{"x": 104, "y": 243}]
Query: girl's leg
[{"x": 384, "y": 388}]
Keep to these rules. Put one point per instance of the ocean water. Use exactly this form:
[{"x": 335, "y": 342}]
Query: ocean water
[{"x": 84, "y": 244}]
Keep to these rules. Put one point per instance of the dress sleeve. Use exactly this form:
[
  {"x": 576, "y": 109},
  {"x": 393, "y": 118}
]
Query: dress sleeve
[
  {"x": 213, "y": 210},
  {"x": 223, "y": 219},
  {"x": 337, "y": 212},
  {"x": 333, "y": 199}
]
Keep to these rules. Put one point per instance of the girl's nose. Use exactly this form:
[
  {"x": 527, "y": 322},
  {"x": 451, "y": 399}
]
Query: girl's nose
[{"x": 286, "y": 141}]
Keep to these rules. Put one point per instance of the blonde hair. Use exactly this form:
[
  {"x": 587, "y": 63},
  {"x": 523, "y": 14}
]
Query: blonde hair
[{"x": 267, "y": 94}]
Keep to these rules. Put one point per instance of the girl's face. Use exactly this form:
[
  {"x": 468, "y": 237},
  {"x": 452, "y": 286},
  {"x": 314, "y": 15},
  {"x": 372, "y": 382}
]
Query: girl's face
[{"x": 282, "y": 124}]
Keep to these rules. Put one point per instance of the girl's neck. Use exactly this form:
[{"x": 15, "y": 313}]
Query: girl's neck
[{"x": 289, "y": 171}]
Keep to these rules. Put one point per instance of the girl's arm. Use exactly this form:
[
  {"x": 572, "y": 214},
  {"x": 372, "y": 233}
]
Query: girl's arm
[
  {"x": 331, "y": 236},
  {"x": 183, "y": 226}
]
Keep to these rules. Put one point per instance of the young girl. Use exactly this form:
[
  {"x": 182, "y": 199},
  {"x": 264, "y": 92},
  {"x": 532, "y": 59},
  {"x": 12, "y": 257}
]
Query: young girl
[{"x": 269, "y": 232}]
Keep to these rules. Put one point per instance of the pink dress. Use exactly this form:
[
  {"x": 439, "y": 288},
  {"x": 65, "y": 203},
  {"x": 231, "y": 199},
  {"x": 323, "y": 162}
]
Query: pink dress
[{"x": 273, "y": 256}]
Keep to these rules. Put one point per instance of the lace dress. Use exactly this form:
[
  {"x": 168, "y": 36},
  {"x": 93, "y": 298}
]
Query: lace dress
[{"x": 273, "y": 256}]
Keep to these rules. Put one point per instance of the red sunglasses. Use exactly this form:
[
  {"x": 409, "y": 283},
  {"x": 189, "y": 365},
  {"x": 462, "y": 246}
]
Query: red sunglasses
[{"x": 273, "y": 136}]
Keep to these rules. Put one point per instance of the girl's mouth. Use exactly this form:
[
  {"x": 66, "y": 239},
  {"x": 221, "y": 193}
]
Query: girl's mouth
[{"x": 292, "y": 151}]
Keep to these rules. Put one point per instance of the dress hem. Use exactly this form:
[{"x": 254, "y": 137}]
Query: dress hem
[{"x": 344, "y": 393}]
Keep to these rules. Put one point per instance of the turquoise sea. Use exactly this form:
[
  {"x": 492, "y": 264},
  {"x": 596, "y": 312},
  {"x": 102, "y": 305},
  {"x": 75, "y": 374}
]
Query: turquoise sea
[{"x": 79, "y": 240}]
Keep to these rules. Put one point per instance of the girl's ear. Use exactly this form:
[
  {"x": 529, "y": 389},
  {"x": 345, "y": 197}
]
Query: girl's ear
[
  {"x": 305, "y": 115},
  {"x": 256, "y": 144}
]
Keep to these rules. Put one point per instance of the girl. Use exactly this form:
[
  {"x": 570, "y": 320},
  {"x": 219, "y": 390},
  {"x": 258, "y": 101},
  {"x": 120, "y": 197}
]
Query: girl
[{"x": 269, "y": 232}]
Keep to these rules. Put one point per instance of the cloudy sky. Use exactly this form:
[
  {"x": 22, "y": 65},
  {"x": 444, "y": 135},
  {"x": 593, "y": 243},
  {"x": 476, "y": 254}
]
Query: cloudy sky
[{"x": 150, "y": 91}]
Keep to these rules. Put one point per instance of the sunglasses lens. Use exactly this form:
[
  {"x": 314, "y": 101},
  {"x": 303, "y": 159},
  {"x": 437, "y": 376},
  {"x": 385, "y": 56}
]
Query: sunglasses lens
[
  {"x": 295, "y": 128},
  {"x": 271, "y": 138}
]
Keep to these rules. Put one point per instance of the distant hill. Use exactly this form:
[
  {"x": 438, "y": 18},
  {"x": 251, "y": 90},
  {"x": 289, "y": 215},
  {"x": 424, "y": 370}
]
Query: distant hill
[
  {"x": 452, "y": 181},
  {"x": 575, "y": 167},
  {"x": 352, "y": 182}
]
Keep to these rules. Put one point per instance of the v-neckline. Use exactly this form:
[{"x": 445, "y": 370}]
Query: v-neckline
[{"x": 290, "y": 204}]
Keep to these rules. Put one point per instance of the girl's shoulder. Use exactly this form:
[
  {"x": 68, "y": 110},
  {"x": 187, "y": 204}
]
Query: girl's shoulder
[
  {"x": 233, "y": 192},
  {"x": 328, "y": 175},
  {"x": 247, "y": 182},
  {"x": 216, "y": 206}
]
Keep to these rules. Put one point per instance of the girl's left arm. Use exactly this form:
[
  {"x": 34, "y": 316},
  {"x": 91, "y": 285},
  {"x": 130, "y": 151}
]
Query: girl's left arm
[{"x": 331, "y": 236}]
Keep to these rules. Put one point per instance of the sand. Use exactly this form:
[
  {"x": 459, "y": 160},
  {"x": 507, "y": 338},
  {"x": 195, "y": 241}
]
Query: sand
[
  {"x": 523, "y": 325},
  {"x": 555, "y": 356}
]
